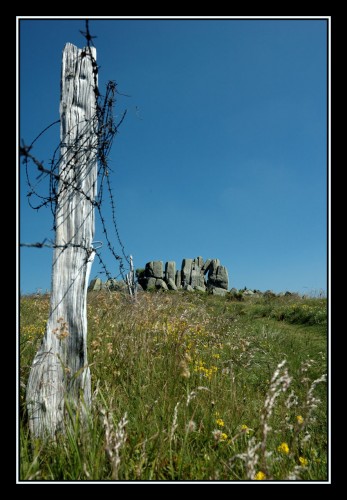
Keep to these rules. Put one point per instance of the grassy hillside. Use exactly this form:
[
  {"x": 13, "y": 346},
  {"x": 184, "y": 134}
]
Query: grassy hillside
[{"x": 190, "y": 386}]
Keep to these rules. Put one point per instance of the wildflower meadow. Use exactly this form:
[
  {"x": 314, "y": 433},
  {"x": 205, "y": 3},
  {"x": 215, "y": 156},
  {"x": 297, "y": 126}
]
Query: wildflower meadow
[{"x": 189, "y": 386}]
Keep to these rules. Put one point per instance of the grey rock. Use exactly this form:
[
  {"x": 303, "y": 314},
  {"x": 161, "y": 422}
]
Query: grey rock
[
  {"x": 206, "y": 266},
  {"x": 186, "y": 271},
  {"x": 248, "y": 293},
  {"x": 178, "y": 279},
  {"x": 218, "y": 276},
  {"x": 160, "y": 284},
  {"x": 200, "y": 288},
  {"x": 116, "y": 286},
  {"x": 196, "y": 277},
  {"x": 192, "y": 273},
  {"x": 139, "y": 288},
  {"x": 201, "y": 282},
  {"x": 95, "y": 285},
  {"x": 215, "y": 263},
  {"x": 199, "y": 261},
  {"x": 219, "y": 291},
  {"x": 170, "y": 270},
  {"x": 151, "y": 284},
  {"x": 149, "y": 270},
  {"x": 234, "y": 290},
  {"x": 171, "y": 284},
  {"x": 154, "y": 269},
  {"x": 222, "y": 277},
  {"x": 212, "y": 273},
  {"x": 189, "y": 288},
  {"x": 158, "y": 269}
]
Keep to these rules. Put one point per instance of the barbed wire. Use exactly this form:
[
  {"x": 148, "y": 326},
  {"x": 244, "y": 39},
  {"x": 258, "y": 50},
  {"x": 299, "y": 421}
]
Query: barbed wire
[{"x": 60, "y": 172}]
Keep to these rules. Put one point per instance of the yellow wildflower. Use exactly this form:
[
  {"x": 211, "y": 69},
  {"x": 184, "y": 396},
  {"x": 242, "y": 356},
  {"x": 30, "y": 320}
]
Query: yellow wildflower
[
  {"x": 245, "y": 429},
  {"x": 303, "y": 461},
  {"x": 219, "y": 435},
  {"x": 283, "y": 448},
  {"x": 260, "y": 476},
  {"x": 187, "y": 356},
  {"x": 220, "y": 422},
  {"x": 300, "y": 419}
]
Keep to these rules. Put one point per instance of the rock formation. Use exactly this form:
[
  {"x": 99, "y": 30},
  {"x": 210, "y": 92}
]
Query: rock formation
[{"x": 195, "y": 274}]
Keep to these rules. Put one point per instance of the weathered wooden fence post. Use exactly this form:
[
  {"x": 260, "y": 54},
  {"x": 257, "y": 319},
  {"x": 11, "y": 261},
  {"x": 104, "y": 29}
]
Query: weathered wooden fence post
[
  {"x": 130, "y": 280},
  {"x": 59, "y": 373}
]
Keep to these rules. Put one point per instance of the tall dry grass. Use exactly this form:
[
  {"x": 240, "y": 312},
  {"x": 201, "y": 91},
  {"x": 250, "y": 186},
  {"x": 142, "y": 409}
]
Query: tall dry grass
[{"x": 190, "y": 387}]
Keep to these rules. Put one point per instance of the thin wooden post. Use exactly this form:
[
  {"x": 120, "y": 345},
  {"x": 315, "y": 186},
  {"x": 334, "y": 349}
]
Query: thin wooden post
[
  {"x": 59, "y": 374},
  {"x": 130, "y": 280}
]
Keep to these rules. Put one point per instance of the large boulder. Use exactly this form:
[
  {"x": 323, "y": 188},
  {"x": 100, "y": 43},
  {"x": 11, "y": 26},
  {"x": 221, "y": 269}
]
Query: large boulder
[
  {"x": 218, "y": 275},
  {"x": 188, "y": 288},
  {"x": 95, "y": 285},
  {"x": 178, "y": 279},
  {"x": 215, "y": 263},
  {"x": 219, "y": 291},
  {"x": 150, "y": 284},
  {"x": 212, "y": 272},
  {"x": 222, "y": 277},
  {"x": 186, "y": 271},
  {"x": 170, "y": 270},
  {"x": 149, "y": 270},
  {"x": 154, "y": 269},
  {"x": 161, "y": 285},
  {"x": 171, "y": 284},
  {"x": 196, "y": 276}
]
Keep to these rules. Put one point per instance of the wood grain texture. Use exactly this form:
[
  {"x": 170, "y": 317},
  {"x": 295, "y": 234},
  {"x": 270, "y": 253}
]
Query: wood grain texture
[{"x": 60, "y": 372}]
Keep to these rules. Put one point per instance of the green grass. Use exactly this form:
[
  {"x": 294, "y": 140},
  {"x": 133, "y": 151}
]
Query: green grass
[{"x": 192, "y": 372}]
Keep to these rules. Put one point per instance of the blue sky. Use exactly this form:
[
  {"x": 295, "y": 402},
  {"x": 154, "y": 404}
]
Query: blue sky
[{"x": 223, "y": 150}]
